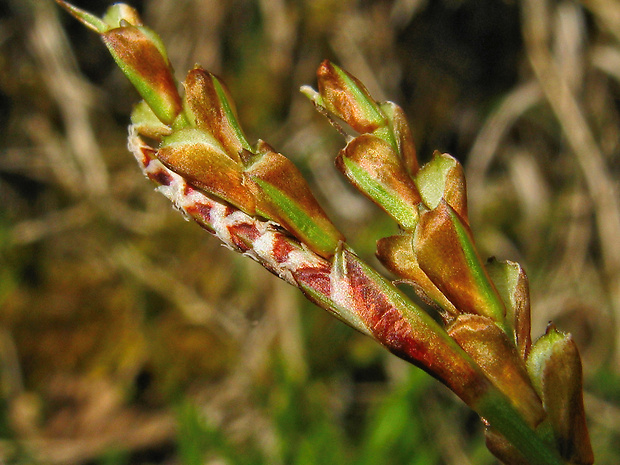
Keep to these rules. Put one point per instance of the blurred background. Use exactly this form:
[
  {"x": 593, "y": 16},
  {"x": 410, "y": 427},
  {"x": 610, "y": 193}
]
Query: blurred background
[{"x": 130, "y": 336}]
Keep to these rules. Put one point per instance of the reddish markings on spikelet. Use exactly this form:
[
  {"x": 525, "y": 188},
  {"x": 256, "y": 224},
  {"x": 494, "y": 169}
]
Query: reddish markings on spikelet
[
  {"x": 228, "y": 210},
  {"x": 316, "y": 278},
  {"x": 281, "y": 249},
  {"x": 380, "y": 315},
  {"x": 243, "y": 235},
  {"x": 143, "y": 153},
  {"x": 350, "y": 296},
  {"x": 160, "y": 177},
  {"x": 342, "y": 286},
  {"x": 263, "y": 241},
  {"x": 201, "y": 210},
  {"x": 188, "y": 189}
]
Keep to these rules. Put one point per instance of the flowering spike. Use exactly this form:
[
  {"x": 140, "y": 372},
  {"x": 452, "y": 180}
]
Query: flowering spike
[
  {"x": 355, "y": 293},
  {"x": 257, "y": 203}
]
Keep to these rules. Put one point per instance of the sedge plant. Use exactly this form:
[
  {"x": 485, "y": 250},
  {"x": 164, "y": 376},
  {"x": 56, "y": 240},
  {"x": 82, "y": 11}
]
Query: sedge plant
[{"x": 252, "y": 198}]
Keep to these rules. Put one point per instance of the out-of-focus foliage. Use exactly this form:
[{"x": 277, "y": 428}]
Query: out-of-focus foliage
[{"x": 130, "y": 336}]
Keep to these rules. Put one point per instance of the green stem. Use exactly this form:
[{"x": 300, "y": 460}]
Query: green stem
[{"x": 497, "y": 410}]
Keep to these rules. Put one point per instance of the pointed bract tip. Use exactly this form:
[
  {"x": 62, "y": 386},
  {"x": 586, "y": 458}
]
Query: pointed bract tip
[{"x": 89, "y": 20}]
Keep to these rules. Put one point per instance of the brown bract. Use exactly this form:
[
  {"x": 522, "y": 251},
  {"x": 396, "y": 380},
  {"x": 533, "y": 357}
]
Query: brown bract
[
  {"x": 281, "y": 174},
  {"x": 455, "y": 190},
  {"x": 339, "y": 99},
  {"x": 137, "y": 55},
  {"x": 513, "y": 286},
  {"x": 210, "y": 170},
  {"x": 208, "y": 111},
  {"x": 380, "y": 162},
  {"x": 559, "y": 374},
  {"x": 397, "y": 255},
  {"x": 440, "y": 253},
  {"x": 496, "y": 355},
  {"x": 404, "y": 139}
]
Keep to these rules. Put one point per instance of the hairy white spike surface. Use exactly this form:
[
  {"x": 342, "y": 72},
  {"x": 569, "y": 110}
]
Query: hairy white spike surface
[{"x": 262, "y": 240}]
